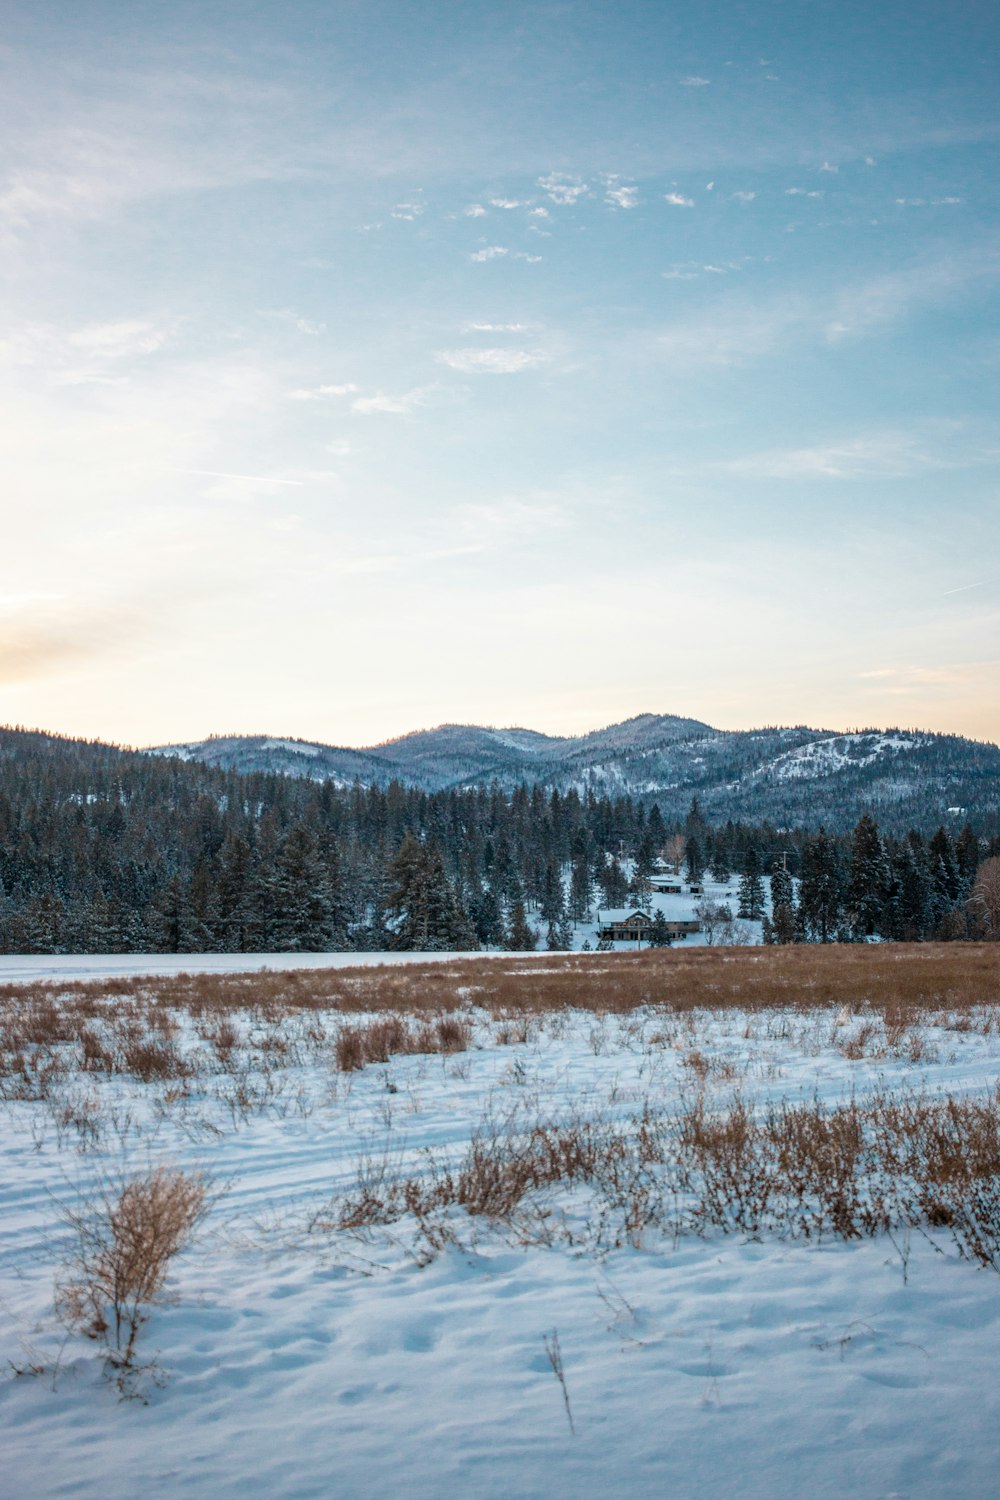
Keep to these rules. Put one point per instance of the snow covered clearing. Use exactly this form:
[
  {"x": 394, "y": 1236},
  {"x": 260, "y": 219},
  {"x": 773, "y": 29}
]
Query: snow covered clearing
[
  {"x": 532, "y": 1251},
  {"x": 28, "y": 968}
]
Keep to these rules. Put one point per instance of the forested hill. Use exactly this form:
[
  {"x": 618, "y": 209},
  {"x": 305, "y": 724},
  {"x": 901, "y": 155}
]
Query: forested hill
[
  {"x": 789, "y": 777},
  {"x": 110, "y": 850}
]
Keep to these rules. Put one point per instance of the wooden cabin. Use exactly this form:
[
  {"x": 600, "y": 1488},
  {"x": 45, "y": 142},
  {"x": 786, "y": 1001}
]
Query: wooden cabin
[
  {"x": 624, "y": 924},
  {"x": 620, "y": 924}
]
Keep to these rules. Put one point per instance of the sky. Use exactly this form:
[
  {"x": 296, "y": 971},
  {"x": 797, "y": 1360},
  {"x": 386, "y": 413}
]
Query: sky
[{"x": 373, "y": 364}]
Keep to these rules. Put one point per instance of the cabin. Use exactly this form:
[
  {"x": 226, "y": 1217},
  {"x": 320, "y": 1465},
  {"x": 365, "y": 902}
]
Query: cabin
[
  {"x": 623, "y": 924},
  {"x": 619, "y": 924}
]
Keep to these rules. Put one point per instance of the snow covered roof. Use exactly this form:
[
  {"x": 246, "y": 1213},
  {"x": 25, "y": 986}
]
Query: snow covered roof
[{"x": 621, "y": 914}]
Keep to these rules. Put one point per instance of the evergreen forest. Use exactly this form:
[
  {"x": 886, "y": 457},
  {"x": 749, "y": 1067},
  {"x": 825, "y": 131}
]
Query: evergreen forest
[{"x": 104, "y": 850}]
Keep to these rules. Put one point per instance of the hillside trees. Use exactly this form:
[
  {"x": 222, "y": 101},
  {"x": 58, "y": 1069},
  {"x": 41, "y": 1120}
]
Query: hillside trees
[{"x": 106, "y": 850}]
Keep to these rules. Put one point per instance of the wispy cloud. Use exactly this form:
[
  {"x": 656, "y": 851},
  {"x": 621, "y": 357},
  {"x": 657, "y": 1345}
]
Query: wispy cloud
[
  {"x": 475, "y": 211},
  {"x": 257, "y": 479},
  {"x": 693, "y": 81},
  {"x": 621, "y": 195},
  {"x": 497, "y": 252},
  {"x": 737, "y": 329},
  {"x": 289, "y": 315},
  {"x": 511, "y": 520},
  {"x": 490, "y": 361},
  {"x": 381, "y": 404},
  {"x": 563, "y": 188},
  {"x": 877, "y": 455},
  {"x": 121, "y": 340},
  {"x": 964, "y": 587},
  {"x": 744, "y": 196},
  {"x": 496, "y": 327},
  {"x": 678, "y": 200},
  {"x": 323, "y": 392}
]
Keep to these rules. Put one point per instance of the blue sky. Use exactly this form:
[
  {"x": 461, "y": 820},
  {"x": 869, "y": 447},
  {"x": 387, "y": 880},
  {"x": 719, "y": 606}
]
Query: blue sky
[{"x": 372, "y": 365}]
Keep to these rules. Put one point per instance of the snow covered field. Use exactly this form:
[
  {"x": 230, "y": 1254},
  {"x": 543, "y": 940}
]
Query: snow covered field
[
  {"x": 311, "y": 1346},
  {"x": 30, "y": 967}
]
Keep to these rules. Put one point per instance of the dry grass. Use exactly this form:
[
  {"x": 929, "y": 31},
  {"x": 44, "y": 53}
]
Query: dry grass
[
  {"x": 384, "y": 1037},
  {"x": 268, "y": 1021},
  {"x": 890, "y": 1161},
  {"x": 125, "y": 1235},
  {"x": 901, "y": 976}
]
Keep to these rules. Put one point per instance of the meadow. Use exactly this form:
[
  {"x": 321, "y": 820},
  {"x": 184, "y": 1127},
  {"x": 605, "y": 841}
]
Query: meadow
[{"x": 715, "y": 1221}]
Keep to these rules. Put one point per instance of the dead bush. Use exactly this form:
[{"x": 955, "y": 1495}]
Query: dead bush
[
  {"x": 125, "y": 1234},
  {"x": 378, "y": 1040}
]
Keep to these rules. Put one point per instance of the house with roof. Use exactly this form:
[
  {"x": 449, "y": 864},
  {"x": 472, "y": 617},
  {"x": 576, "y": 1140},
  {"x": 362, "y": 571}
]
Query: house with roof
[{"x": 628, "y": 924}]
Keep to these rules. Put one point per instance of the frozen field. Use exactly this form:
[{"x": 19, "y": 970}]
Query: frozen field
[
  {"x": 381, "y": 1304},
  {"x": 30, "y": 967}
]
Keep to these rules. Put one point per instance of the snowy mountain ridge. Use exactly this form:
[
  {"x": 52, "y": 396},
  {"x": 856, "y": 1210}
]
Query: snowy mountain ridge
[{"x": 785, "y": 774}]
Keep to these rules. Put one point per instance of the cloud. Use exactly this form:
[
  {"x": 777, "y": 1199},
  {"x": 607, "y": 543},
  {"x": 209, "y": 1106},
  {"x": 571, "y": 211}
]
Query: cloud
[
  {"x": 886, "y": 455},
  {"x": 511, "y": 520},
  {"x": 475, "y": 211},
  {"x": 508, "y": 203},
  {"x": 540, "y": 213},
  {"x": 924, "y": 202},
  {"x": 887, "y": 299},
  {"x": 980, "y": 583},
  {"x": 738, "y": 329},
  {"x": 621, "y": 197},
  {"x": 829, "y": 166},
  {"x": 677, "y": 200},
  {"x": 496, "y": 252},
  {"x": 407, "y": 211},
  {"x": 490, "y": 361},
  {"x": 496, "y": 327},
  {"x": 122, "y": 340},
  {"x": 693, "y": 81},
  {"x": 381, "y": 404},
  {"x": 265, "y": 480},
  {"x": 289, "y": 315},
  {"x": 744, "y": 197},
  {"x": 797, "y": 192},
  {"x": 323, "y": 392},
  {"x": 563, "y": 188}
]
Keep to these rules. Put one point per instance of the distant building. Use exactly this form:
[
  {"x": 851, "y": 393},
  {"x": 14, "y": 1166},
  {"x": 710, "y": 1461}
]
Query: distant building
[{"x": 624, "y": 924}]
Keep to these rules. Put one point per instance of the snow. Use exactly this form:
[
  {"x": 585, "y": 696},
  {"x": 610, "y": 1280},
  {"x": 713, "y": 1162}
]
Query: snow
[
  {"x": 295, "y": 747},
  {"x": 30, "y": 967},
  {"x": 297, "y": 1364},
  {"x": 825, "y": 757}
]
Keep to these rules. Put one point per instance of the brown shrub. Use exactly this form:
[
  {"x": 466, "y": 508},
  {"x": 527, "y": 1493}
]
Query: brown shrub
[{"x": 125, "y": 1236}]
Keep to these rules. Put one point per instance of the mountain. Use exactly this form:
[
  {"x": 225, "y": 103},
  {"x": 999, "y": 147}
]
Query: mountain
[{"x": 788, "y": 776}]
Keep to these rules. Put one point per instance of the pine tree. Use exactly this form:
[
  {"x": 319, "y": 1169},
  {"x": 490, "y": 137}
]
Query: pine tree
[
  {"x": 521, "y": 936},
  {"x": 751, "y": 888},
  {"x": 819, "y": 889},
  {"x": 868, "y": 882},
  {"x": 782, "y": 889},
  {"x": 967, "y": 857},
  {"x": 422, "y": 909},
  {"x": 302, "y": 898},
  {"x": 659, "y": 932},
  {"x": 695, "y": 858},
  {"x": 579, "y": 880}
]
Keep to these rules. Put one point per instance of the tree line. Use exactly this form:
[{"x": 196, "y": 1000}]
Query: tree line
[{"x": 106, "y": 850}]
